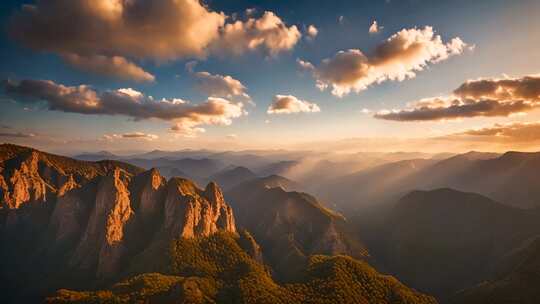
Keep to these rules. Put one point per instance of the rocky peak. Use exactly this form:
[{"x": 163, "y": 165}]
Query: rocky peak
[
  {"x": 103, "y": 242},
  {"x": 192, "y": 212},
  {"x": 213, "y": 193},
  {"x": 96, "y": 214}
]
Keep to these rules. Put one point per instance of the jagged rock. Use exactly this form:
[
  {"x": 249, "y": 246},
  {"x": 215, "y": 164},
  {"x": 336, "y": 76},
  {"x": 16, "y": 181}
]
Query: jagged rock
[
  {"x": 24, "y": 184},
  {"x": 102, "y": 243},
  {"x": 151, "y": 197},
  {"x": 93, "y": 217},
  {"x": 191, "y": 212}
]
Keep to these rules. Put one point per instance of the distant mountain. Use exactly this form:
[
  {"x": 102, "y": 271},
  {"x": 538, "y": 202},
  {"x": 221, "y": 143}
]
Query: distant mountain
[
  {"x": 509, "y": 178},
  {"x": 101, "y": 155},
  {"x": 192, "y": 168},
  {"x": 380, "y": 184},
  {"x": 187, "y": 153},
  {"x": 271, "y": 181},
  {"x": 231, "y": 177},
  {"x": 277, "y": 168},
  {"x": 444, "y": 240},
  {"x": 290, "y": 226}
]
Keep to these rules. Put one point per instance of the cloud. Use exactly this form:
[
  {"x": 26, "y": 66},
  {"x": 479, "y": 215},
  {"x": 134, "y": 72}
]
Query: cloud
[
  {"x": 82, "y": 99},
  {"x": 502, "y": 132},
  {"x": 287, "y": 104},
  {"x": 475, "y": 98},
  {"x": 16, "y": 135},
  {"x": 164, "y": 29},
  {"x": 312, "y": 32},
  {"x": 268, "y": 33},
  {"x": 115, "y": 66},
  {"x": 375, "y": 28},
  {"x": 215, "y": 111},
  {"x": 133, "y": 135},
  {"x": 221, "y": 86},
  {"x": 190, "y": 65},
  {"x": 119, "y": 32},
  {"x": 398, "y": 58}
]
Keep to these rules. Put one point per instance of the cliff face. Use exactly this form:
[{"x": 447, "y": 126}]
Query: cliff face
[
  {"x": 190, "y": 212},
  {"x": 96, "y": 216}
]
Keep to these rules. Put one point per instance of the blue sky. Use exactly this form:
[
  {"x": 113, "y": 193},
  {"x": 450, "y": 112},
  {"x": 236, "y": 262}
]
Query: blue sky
[{"x": 505, "y": 35}]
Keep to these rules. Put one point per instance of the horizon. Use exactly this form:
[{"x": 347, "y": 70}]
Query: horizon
[{"x": 352, "y": 76}]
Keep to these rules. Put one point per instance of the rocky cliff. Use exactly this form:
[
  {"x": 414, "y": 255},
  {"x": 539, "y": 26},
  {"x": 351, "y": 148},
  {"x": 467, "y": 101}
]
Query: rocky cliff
[{"x": 94, "y": 217}]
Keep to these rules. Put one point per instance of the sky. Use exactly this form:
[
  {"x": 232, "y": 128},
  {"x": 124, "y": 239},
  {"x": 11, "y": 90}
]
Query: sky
[{"x": 228, "y": 75}]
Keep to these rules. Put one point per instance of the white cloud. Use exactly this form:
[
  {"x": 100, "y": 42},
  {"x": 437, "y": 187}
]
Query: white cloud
[
  {"x": 375, "y": 28},
  {"x": 312, "y": 32},
  {"x": 287, "y": 104},
  {"x": 268, "y": 33},
  {"x": 216, "y": 111},
  {"x": 398, "y": 58}
]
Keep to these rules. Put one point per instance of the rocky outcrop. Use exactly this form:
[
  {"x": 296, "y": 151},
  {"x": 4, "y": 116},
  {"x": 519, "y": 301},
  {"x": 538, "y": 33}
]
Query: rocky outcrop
[
  {"x": 191, "y": 212},
  {"x": 102, "y": 244},
  {"x": 23, "y": 184},
  {"x": 92, "y": 218}
]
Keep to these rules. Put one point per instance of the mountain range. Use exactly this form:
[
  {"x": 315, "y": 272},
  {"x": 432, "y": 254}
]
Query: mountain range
[{"x": 126, "y": 234}]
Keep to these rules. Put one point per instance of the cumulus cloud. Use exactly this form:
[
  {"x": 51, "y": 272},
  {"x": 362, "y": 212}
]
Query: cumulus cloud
[
  {"x": 312, "y": 32},
  {"x": 221, "y": 86},
  {"x": 374, "y": 28},
  {"x": 287, "y": 104},
  {"x": 113, "y": 31},
  {"x": 187, "y": 117},
  {"x": 481, "y": 97},
  {"x": 268, "y": 33},
  {"x": 215, "y": 111},
  {"x": 115, "y": 66},
  {"x": 398, "y": 58}
]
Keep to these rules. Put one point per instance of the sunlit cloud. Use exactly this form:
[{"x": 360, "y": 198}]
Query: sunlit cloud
[
  {"x": 398, "y": 58},
  {"x": 109, "y": 35},
  {"x": 312, "y": 32},
  {"x": 475, "y": 98},
  {"x": 268, "y": 33},
  {"x": 502, "y": 132},
  {"x": 288, "y": 104},
  {"x": 374, "y": 28},
  {"x": 187, "y": 118},
  {"x": 225, "y": 86},
  {"x": 115, "y": 66}
]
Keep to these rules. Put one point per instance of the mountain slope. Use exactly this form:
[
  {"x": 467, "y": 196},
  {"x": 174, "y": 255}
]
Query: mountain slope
[
  {"x": 231, "y": 177},
  {"x": 216, "y": 269},
  {"x": 290, "y": 226},
  {"x": 444, "y": 240}
]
